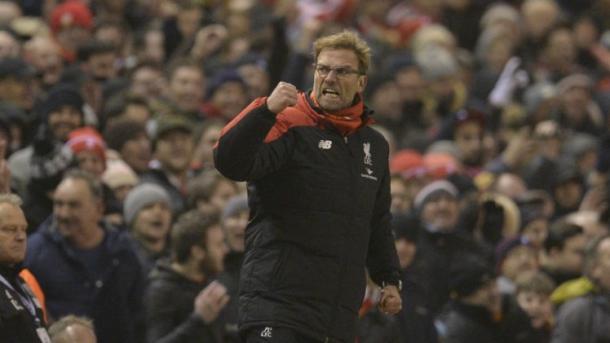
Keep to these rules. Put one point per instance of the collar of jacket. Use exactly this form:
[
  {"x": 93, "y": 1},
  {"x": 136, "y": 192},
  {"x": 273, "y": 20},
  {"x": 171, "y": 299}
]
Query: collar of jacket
[
  {"x": 114, "y": 242},
  {"x": 346, "y": 122}
]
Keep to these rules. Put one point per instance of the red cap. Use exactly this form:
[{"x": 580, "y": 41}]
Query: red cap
[
  {"x": 440, "y": 165},
  {"x": 71, "y": 13},
  {"x": 407, "y": 162},
  {"x": 87, "y": 139}
]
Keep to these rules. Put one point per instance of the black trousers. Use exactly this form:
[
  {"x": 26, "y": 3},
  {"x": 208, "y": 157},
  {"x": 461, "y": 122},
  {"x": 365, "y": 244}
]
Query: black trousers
[{"x": 276, "y": 334}]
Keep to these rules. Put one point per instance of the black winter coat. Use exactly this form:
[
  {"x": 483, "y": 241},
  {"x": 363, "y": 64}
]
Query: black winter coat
[
  {"x": 17, "y": 325},
  {"x": 319, "y": 215},
  {"x": 230, "y": 279},
  {"x": 169, "y": 310}
]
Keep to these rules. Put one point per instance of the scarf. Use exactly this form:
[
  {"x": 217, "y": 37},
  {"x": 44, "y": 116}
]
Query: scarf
[{"x": 347, "y": 121}]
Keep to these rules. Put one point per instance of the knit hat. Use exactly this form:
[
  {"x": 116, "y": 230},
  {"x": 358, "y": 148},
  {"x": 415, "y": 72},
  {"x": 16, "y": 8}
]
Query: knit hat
[
  {"x": 121, "y": 131},
  {"x": 71, "y": 13},
  {"x": 235, "y": 206},
  {"x": 468, "y": 274},
  {"x": 439, "y": 164},
  {"x": 142, "y": 196},
  {"x": 433, "y": 188},
  {"x": 62, "y": 95},
  {"x": 118, "y": 174},
  {"x": 405, "y": 227},
  {"x": 408, "y": 163},
  {"x": 223, "y": 77},
  {"x": 506, "y": 246},
  {"x": 87, "y": 139}
]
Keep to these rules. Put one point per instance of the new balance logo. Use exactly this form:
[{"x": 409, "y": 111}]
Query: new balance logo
[
  {"x": 267, "y": 332},
  {"x": 325, "y": 144}
]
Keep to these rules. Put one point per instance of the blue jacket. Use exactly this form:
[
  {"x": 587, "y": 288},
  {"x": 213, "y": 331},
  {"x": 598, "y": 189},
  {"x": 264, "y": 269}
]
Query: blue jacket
[{"x": 113, "y": 301}]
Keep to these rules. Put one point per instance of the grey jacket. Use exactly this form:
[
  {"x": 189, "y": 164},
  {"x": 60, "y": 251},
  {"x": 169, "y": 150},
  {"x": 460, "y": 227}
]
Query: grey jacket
[{"x": 584, "y": 320}]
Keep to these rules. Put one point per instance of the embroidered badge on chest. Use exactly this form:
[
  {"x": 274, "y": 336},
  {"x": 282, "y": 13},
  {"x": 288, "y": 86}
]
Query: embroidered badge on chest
[{"x": 368, "y": 160}]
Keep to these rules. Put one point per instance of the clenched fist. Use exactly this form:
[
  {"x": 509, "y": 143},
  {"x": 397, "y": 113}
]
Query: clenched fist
[
  {"x": 210, "y": 301},
  {"x": 390, "y": 302},
  {"x": 284, "y": 95}
]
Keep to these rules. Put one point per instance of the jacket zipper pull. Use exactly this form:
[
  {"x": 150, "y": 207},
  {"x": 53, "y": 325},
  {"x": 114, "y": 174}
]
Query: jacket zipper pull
[{"x": 345, "y": 139}]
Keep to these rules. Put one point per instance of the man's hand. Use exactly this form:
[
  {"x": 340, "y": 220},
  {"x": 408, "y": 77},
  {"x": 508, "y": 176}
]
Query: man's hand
[
  {"x": 390, "y": 302},
  {"x": 210, "y": 301},
  {"x": 284, "y": 95}
]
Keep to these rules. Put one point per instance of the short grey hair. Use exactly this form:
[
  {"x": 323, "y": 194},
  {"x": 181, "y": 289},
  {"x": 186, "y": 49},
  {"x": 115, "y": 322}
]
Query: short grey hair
[{"x": 58, "y": 329}]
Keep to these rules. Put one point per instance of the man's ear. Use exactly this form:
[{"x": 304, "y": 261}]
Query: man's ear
[{"x": 362, "y": 81}]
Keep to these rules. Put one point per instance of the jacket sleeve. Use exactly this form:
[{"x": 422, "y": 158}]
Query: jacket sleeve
[
  {"x": 382, "y": 260},
  {"x": 160, "y": 326},
  {"x": 243, "y": 152}
]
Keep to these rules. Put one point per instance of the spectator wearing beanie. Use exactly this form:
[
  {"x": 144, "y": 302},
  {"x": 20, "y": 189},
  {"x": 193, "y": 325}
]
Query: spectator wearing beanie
[
  {"x": 60, "y": 113},
  {"x": 475, "y": 302},
  {"x": 440, "y": 241},
  {"x": 120, "y": 178},
  {"x": 227, "y": 95},
  {"x": 415, "y": 320},
  {"x": 71, "y": 23},
  {"x": 478, "y": 312},
  {"x": 89, "y": 150},
  {"x": 514, "y": 256},
  {"x": 148, "y": 216},
  {"x": 129, "y": 139},
  {"x": 437, "y": 205}
]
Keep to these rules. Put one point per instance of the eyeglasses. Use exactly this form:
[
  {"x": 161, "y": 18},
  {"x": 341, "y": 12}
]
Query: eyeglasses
[{"x": 324, "y": 70}]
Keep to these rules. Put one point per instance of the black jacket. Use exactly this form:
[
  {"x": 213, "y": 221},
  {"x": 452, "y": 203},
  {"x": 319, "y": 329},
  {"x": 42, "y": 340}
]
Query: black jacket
[
  {"x": 319, "y": 215},
  {"x": 230, "y": 279},
  {"x": 169, "y": 310},
  {"x": 469, "y": 324},
  {"x": 17, "y": 325}
]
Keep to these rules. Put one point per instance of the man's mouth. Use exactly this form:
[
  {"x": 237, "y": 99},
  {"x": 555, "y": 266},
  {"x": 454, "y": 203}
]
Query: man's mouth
[{"x": 330, "y": 92}]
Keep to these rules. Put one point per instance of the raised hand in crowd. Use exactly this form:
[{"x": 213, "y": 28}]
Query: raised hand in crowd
[{"x": 210, "y": 301}]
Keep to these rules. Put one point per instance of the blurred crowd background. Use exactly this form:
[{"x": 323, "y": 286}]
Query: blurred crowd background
[{"x": 497, "y": 114}]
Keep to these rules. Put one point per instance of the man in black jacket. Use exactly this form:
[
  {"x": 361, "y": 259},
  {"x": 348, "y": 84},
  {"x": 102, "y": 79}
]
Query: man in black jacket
[
  {"x": 182, "y": 301},
  {"x": 21, "y": 318},
  {"x": 320, "y": 203}
]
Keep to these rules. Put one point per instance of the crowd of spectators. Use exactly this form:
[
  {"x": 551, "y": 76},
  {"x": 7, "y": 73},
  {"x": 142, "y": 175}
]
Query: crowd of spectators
[{"x": 497, "y": 115}]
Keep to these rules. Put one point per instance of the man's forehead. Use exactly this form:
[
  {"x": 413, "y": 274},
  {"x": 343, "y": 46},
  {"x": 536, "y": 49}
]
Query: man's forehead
[
  {"x": 71, "y": 188},
  {"x": 343, "y": 56}
]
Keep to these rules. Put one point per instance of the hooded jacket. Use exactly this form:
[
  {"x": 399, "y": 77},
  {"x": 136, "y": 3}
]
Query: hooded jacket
[{"x": 320, "y": 214}]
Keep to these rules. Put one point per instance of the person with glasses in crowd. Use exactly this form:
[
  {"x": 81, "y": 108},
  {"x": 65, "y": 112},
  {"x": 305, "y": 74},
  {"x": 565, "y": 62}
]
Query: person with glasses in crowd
[{"x": 319, "y": 199}]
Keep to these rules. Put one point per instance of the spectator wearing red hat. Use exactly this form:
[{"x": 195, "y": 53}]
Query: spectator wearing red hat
[
  {"x": 409, "y": 175},
  {"x": 466, "y": 128},
  {"x": 71, "y": 23},
  {"x": 89, "y": 149}
]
